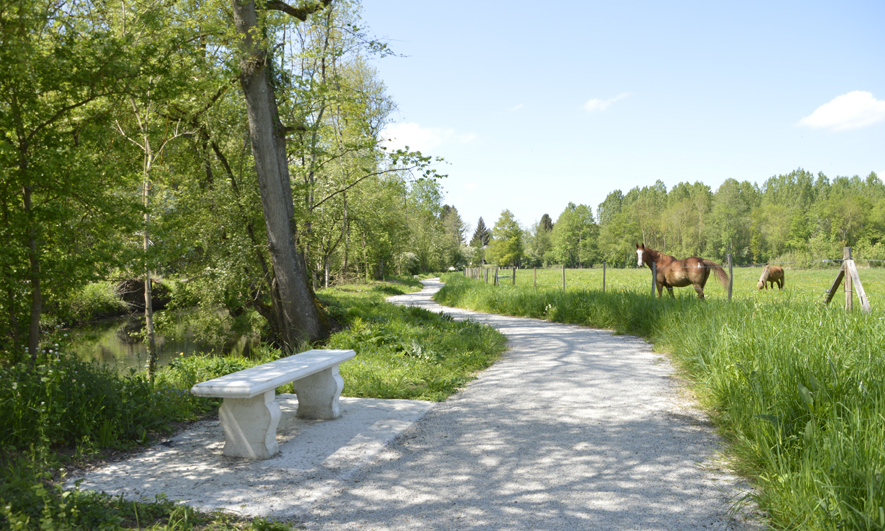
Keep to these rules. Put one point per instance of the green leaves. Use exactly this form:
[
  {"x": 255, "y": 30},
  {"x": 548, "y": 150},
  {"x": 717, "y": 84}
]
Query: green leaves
[{"x": 806, "y": 398}]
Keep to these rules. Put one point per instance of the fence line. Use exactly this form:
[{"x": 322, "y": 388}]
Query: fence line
[{"x": 853, "y": 284}]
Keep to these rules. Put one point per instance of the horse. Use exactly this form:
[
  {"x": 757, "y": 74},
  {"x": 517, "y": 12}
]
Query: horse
[
  {"x": 673, "y": 273},
  {"x": 771, "y": 274}
]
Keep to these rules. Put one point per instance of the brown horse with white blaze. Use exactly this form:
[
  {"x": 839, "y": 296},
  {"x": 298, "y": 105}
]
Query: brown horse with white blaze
[{"x": 673, "y": 273}]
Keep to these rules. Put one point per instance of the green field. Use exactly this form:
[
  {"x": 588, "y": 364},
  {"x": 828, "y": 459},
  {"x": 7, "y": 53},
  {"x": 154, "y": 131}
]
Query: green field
[{"x": 801, "y": 285}]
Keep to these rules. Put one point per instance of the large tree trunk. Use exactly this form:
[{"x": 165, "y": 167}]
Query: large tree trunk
[{"x": 301, "y": 316}]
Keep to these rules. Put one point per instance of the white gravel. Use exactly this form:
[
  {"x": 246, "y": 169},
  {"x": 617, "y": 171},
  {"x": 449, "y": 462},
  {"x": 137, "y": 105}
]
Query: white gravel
[{"x": 573, "y": 428}]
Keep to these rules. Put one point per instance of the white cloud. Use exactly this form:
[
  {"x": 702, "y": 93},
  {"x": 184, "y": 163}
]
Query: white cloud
[
  {"x": 517, "y": 107},
  {"x": 601, "y": 105},
  {"x": 848, "y": 111},
  {"x": 398, "y": 136},
  {"x": 470, "y": 186}
]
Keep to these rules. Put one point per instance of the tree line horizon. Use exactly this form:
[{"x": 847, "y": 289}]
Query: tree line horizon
[{"x": 798, "y": 218}]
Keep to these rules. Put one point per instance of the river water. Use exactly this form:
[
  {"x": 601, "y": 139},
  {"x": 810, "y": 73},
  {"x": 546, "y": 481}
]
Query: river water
[{"x": 117, "y": 344}]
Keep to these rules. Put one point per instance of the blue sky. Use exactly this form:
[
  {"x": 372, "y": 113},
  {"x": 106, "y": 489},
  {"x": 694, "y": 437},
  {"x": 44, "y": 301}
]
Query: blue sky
[{"x": 537, "y": 104}]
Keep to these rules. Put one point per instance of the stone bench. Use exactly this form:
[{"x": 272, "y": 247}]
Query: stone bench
[{"x": 250, "y": 414}]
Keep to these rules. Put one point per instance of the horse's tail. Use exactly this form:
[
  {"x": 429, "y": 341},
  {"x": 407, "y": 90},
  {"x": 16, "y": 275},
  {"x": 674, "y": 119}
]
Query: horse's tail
[{"x": 720, "y": 273}]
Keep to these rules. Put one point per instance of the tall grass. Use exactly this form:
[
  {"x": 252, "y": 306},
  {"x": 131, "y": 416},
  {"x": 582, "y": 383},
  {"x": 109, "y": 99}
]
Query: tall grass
[{"x": 797, "y": 387}]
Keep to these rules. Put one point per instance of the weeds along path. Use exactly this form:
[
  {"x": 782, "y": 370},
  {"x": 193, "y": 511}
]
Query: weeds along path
[{"x": 573, "y": 428}]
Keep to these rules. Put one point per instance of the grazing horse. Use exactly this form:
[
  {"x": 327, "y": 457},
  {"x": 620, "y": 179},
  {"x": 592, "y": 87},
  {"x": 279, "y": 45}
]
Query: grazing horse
[
  {"x": 771, "y": 274},
  {"x": 673, "y": 273}
]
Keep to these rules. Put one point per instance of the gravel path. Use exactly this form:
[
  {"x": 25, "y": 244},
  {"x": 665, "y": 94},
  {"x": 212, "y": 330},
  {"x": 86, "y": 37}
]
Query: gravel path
[{"x": 574, "y": 428}]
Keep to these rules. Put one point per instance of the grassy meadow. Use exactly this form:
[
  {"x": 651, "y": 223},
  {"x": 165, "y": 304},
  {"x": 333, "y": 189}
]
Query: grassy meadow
[
  {"x": 796, "y": 387},
  {"x": 801, "y": 284}
]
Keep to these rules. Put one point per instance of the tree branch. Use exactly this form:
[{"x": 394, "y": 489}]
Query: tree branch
[{"x": 300, "y": 13}]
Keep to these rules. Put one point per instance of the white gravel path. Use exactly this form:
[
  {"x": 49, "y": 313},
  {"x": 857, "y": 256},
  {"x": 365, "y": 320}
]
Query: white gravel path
[{"x": 573, "y": 428}]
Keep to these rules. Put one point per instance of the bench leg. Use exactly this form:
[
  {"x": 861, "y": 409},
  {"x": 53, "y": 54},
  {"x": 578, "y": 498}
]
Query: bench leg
[
  {"x": 318, "y": 394},
  {"x": 250, "y": 426}
]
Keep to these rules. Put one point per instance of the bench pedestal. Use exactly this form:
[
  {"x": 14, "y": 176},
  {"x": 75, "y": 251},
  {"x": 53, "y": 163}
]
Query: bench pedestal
[
  {"x": 318, "y": 395},
  {"x": 250, "y": 426}
]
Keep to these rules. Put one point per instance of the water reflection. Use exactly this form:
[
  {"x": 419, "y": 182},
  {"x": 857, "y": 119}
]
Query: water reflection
[{"x": 117, "y": 343}]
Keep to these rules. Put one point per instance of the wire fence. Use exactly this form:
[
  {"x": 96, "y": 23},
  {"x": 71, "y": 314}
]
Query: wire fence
[{"x": 802, "y": 279}]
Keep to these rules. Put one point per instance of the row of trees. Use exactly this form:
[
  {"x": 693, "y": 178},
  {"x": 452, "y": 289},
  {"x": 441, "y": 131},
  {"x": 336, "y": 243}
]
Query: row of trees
[
  {"x": 232, "y": 145},
  {"x": 797, "y": 217}
]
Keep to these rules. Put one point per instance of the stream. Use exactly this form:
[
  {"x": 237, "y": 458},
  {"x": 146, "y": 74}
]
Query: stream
[{"x": 117, "y": 344}]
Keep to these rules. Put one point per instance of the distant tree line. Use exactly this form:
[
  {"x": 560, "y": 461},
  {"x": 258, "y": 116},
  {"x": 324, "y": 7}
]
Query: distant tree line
[{"x": 797, "y": 217}]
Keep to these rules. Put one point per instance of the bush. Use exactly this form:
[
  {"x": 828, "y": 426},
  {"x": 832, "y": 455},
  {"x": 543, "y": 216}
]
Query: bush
[
  {"x": 94, "y": 301},
  {"x": 66, "y": 402}
]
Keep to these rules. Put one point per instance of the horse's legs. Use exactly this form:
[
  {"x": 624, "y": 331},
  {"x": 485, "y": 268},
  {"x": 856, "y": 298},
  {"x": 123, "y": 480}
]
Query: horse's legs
[
  {"x": 670, "y": 290},
  {"x": 699, "y": 289},
  {"x": 660, "y": 289}
]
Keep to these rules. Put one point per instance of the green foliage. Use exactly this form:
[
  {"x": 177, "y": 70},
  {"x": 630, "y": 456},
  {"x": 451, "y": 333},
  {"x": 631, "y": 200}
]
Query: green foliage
[
  {"x": 67, "y": 402},
  {"x": 574, "y": 237},
  {"x": 506, "y": 247},
  {"x": 92, "y": 301},
  {"x": 184, "y": 373},
  {"x": 795, "y": 217},
  {"x": 797, "y": 387},
  {"x": 29, "y": 500}
]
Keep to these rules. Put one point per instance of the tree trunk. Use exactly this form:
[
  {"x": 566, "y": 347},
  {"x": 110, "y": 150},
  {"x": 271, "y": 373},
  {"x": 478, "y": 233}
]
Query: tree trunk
[
  {"x": 327, "y": 261},
  {"x": 345, "y": 227},
  {"x": 148, "y": 299},
  {"x": 366, "y": 259},
  {"x": 302, "y": 320}
]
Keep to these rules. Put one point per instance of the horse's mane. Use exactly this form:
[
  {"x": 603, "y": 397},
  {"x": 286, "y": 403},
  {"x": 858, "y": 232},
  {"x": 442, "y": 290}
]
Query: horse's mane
[{"x": 652, "y": 254}]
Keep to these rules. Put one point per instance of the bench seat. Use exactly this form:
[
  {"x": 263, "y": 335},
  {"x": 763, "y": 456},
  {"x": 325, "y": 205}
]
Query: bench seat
[{"x": 250, "y": 415}]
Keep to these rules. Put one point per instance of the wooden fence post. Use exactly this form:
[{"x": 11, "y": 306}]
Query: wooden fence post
[
  {"x": 513, "y": 277},
  {"x": 496, "y": 275},
  {"x": 848, "y": 271},
  {"x": 858, "y": 287},
  {"x": 849, "y": 291},
  {"x": 730, "y": 275}
]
